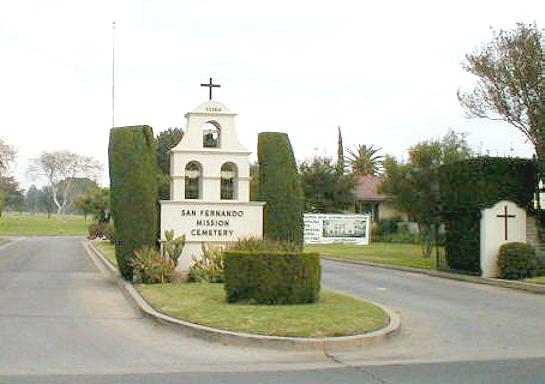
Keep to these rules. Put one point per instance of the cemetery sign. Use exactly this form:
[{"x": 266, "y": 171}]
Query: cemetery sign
[{"x": 337, "y": 228}]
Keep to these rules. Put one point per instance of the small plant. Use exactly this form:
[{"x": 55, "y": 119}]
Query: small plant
[
  {"x": 209, "y": 268},
  {"x": 150, "y": 267},
  {"x": 173, "y": 246},
  {"x": 517, "y": 261}
]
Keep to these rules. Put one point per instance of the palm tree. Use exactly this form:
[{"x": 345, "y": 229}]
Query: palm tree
[{"x": 365, "y": 160}]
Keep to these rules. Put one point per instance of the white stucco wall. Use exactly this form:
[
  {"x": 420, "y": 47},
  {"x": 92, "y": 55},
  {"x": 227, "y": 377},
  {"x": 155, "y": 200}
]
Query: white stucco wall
[
  {"x": 493, "y": 233},
  {"x": 213, "y": 224}
]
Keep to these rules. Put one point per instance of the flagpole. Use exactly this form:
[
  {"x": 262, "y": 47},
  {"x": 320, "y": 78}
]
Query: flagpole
[{"x": 113, "y": 74}]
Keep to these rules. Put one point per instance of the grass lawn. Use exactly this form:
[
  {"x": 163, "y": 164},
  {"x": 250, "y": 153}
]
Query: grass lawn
[
  {"x": 536, "y": 280},
  {"x": 335, "y": 314},
  {"x": 407, "y": 255},
  {"x": 107, "y": 249},
  {"x": 27, "y": 224},
  {"x": 3, "y": 241}
]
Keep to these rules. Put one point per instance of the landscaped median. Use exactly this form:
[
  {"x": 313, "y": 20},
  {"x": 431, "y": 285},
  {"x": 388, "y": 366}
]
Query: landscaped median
[
  {"x": 336, "y": 322},
  {"x": 203, "y": 303}
]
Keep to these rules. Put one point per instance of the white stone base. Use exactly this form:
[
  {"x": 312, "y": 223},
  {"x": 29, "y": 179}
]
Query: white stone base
[{"x": 212, "y": 223}]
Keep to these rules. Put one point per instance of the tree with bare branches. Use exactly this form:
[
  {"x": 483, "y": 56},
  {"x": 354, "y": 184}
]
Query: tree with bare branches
[
  {"x": 62, "y": 169},
  {"x": 511, "y": 83},
  {"x": 7, "y": 156}
]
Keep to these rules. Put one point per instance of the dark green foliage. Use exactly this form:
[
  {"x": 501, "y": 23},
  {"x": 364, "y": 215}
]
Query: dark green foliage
[
  {"x": 471, "y": 185},
  {"x": 517, "y": 261},
  {"x": 97, "y": 203},
  {"x": 272, "y": 277},
  {"x": 414, "y": 185},
  {"x": 133, "y": 188},
  {"x": 462, "y": 241},
  {"x": 280, "y": 187},
  {"x": 326, "y": 190},
  {"x": 253, "y": 244},
  {"x": 14, "y": 196},
  {"x": 394, "y": 230},
  {"x": 388, "y": 226},
  {"x": 166, "y": 140}
]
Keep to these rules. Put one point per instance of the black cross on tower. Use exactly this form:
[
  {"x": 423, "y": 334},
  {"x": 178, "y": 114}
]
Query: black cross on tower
[
  {"x": 210, "y": 86},
  {"x": 505, "y": 216}
]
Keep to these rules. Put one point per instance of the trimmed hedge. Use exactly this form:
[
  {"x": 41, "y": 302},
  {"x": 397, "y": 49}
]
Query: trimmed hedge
[
  {"x": 272, "y": 277},
  {"x": 133, "y": 192},
  {"x": 517, "y": 261},
  {"x": 467, "y": 187},
  {"x": 280, "y": 187}
]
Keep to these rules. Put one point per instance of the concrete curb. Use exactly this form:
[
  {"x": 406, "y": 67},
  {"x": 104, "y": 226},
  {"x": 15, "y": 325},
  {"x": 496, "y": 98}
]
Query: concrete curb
[
  {"x": 327, "y": 344},
  {"x": 528, "y": 287}
]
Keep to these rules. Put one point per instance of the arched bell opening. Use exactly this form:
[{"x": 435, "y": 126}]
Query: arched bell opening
[
  {"x": 211, "y": 135},
  {"x": 229, "y": 181},
  {"x": 193, "y": 180}
]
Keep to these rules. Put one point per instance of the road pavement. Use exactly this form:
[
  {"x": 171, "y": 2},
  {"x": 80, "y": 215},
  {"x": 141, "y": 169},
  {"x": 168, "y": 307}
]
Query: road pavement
[{"x": 63, "y": 320}]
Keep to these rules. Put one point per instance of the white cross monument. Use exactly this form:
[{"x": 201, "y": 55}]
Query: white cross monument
[{"x": 505, "y": 222}]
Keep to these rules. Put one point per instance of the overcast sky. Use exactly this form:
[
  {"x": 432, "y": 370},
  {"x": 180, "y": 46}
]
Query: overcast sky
[{"x": 386, "y": 72}]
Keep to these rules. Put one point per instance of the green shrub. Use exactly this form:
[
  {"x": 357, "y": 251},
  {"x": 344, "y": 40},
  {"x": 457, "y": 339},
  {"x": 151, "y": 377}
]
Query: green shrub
[
  {"x": 149, "y": 267},
  {"x": 517, "y": 261},
  {"x": 133, "y": 188},
  {"x": 209, "y": 268},
  {"x": 272, "y": 277},
  {"x": 280, "y": 187},
  {"x": 387, "y": 227},
  {"x": 469, "y": 186},
  {"x": 253, "y": 244},
  {"x": 98, "y": 231}
]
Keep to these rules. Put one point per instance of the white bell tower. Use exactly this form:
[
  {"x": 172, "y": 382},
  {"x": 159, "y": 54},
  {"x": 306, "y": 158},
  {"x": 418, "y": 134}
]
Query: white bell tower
[
  {"x": 211, "y": 150},
  {"x": 210, "y": 184}
]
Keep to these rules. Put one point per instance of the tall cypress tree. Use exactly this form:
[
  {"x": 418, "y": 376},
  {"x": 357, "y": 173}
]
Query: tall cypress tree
[
  {"x": 280, "y": 187},
  {"x": 133, "y": 191},
  {"x": 339, "y": 167}
]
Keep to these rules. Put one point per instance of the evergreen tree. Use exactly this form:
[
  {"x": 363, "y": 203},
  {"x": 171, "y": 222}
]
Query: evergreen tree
[
  {"x": 325, "y": 189},
  {"x": 166, "y": 140},
  {"x": 340, "y": 154},
  {"x": 134, "y": 196},
  {"x": 280, "y": 187}
]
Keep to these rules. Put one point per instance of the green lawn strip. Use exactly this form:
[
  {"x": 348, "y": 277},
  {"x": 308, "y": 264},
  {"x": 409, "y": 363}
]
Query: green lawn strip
[
  {"x": 27, "y": 225},
  {"x": 406, "y": 255},
  {"x": 334, "y": 315},
  {"x": 535, "y": 280},
  {"x": 107, "y": 249},
  {"x": 3, "y": 241}
]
